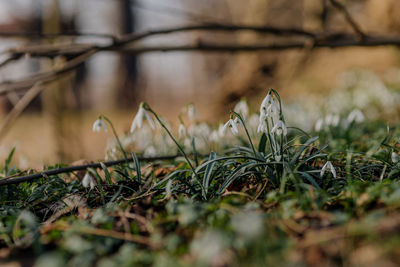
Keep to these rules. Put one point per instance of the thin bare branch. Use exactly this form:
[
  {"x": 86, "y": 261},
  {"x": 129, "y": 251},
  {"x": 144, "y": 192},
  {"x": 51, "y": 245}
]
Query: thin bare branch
[
  {"x": 45, "y": 77},
  {"x": 330, "y": 41},
  {"x": 40, "y": 35},
  {"x": 217, "y": 27},
  {"x": 357, "y": 29},
  {"x": 20, "y": 179},
  {"x": 19, "y": 107}
]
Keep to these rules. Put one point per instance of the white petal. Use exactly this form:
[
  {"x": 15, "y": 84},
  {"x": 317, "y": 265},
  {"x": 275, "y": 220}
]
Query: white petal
[
  {"x": 181, "y": 131},
  {"x": 395, "y": 157},
  {"x": 318, "y": 125},
  {"x": 88, "y": 181},
  {"x": 234, "y": 127},
  {"x": 224, "y": 128},
  {"x": 149, "y": 119},
  {"x": 98, "y": 124},
  {"x": 242, "y": 108}
]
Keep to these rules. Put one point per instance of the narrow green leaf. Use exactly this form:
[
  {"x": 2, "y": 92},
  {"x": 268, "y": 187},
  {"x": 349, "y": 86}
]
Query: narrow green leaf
[
  {"x": 106, "y": 172},
  {"x": 207, "y": 174},
  {"x": 263, "y": 143},
  {"x": 137, "y": 167}
]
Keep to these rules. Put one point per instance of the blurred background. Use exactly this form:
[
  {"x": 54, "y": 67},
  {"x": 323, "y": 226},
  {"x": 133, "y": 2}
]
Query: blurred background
[{"x": 57, "y": 124}]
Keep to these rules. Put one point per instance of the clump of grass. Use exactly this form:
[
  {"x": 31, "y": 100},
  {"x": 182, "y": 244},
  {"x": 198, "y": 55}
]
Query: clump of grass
[{"x": 267, "y": 200}]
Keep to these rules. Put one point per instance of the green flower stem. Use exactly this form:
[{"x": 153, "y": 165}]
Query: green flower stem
[
  {"x": 116, "y": 137},
  {"x": 247, "y": 133},
  {"x": 177, "y": 144}
]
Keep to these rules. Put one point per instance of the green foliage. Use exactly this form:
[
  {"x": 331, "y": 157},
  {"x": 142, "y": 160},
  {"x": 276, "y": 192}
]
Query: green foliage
[{"x": 268, "y": 204}]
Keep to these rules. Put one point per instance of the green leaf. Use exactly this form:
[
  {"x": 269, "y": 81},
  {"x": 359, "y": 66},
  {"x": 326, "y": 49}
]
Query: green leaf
[
  {"x": 106, "y": 172},
  {"x": 263, "y": 143},
  {"x": 8, "y": 160},
  {"x": 302, "y": 148},
  {"x": 310, "y": 179},
  {"x": 137, "y": 167},
  {"x": 207, "y": 174}
]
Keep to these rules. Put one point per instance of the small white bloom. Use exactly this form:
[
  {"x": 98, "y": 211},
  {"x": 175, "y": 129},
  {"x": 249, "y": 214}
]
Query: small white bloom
[
  {"x": 335, "y": 120},
  {"x": 232, "y": 124},
  {"x": 242, "y": 108},
  {"x": 262, "y": 125},
  {"x": 214, "y": 136},
  {"x": 356, "y": 115},
  {"x": 279, "y": 128},
  {"x": 98, "y": 124},
  {"x": 318, "y": 125},
  {"x": 150, "y": 151},
  {"x": 278, "y": 158},
  {"x": 88, "y": 181},
  {"x": 182, "y": 130},
  {"x": 138, "y": 120},
  {"x": 272, "y": 110},
  {"x": 221, "y": 130},
  {"x": 395, "y": 157},
  {"x": 268, "y": 100},
  {"x": 329, "y": 119},
  {"x": 328, "y": 167},
  {"x": 192, "y": 112}
]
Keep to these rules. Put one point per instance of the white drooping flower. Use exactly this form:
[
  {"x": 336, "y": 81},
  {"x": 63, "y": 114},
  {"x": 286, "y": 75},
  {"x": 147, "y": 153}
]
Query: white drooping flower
[
  {"x": 279, "y": 128},
  {"x": 150, "y": 151},
  {"x": 267, "y": 101},
  {"x": 242, "y": 108},
  {"x": 192, "y": 112},
  {"x": 214, "y": 136},
  {"x": 356, "y": 115},
  {"x": 332, "y": 120},
  {"x": 328, "y": 167},
  {"x": 272, "y": 110},
  {"x": 233, "y": 125},
  {"x": 88, "y": 181},
  {"x": 138, "y": 120},
  {"x": 319, "y": 124},
  {"x": 395, "y": 157},
  {"x": 182, "y": 130},
  {"x": 262, "y": 125},
  {"x": 98, "y": 124}
]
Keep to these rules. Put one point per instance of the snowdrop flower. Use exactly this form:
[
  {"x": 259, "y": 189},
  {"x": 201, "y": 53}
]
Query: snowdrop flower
[
  {"x": 272, "y": 110},
  {"x": 278, "y": 158},
  {"x": 318, "y": 125},
  {"x": 88, "y": 181},
  {"x": 242, "y": 108},
  {"x": 279, "y": 128},
  {"x": 335, "y": 120},
  {"x": 268, "y": 100},
  {"x": 192, "y": 112},
  {"x": 214, "y": 136},
  {"x": 150, "y": 151},
  {"x": 221, "y": 131},
  {"x": 262, "y": 125},
  {"x": 182, "y": 130},
  {"x": 98, "y": 124},
  {"x": 231, "y": 124},
  {"x": 328, "y": 167},
  {"x": 356, "y": 115},
  {"x": 395, "y": 157},
  {"x": 332, "y": 120},
  {"x": 138, "y": 120}
]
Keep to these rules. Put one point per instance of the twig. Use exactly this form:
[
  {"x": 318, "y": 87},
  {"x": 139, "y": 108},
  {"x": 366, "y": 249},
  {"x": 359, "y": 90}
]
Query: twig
[
  {"x": 217, "y": 27},
  {"x": 360, "y": 34},
  {"x": 19, "y": 107},
  {"x": 46, "y": 77},
  {"x": 20, "y": 179},
  {"x": 329, "y": 41},
  {"x": 34, "y": 35}
]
